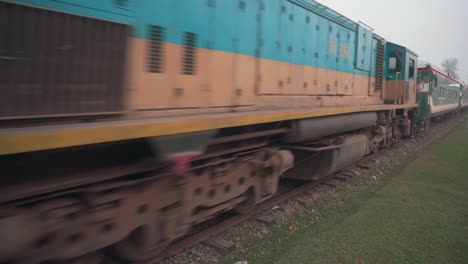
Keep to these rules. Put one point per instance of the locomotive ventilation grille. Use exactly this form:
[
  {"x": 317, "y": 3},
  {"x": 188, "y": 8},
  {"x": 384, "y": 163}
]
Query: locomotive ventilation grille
[
  {"x": 379, "y": 66},
  {"x": 57, "y": 64},
  {"x": 189, "y": 59},
  {"x": 156, "y": 49}
]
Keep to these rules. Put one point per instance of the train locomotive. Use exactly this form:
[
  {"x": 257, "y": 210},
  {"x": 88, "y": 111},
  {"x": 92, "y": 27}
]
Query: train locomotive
[{"x": 126, "y": 122}]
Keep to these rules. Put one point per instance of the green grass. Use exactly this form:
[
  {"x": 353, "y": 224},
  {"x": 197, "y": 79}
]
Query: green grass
[{"x": 418, "y": 215}]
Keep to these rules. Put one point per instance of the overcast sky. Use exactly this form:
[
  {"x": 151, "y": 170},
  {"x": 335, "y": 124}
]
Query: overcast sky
[{"x": 434, "y": 29}]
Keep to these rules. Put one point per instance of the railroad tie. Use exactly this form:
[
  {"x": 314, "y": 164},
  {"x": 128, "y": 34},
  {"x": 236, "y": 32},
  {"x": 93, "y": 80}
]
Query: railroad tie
[
  {"x": 223, "y": 246},
  {"x": 266, "y": 219},
  {"x": 343, "y": 177},
  {"x": 363, "y": 166}
]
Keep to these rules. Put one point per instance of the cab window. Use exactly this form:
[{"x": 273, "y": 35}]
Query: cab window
[{"x": 412, "y": 68}]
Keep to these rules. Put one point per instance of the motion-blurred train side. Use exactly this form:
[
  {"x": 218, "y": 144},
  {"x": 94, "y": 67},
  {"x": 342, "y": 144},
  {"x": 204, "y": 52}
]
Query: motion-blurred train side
[{"x": 126, "y": 122}]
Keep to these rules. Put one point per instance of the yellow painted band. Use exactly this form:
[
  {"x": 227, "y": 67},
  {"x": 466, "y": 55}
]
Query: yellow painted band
[{"x": 42, "y": 138}]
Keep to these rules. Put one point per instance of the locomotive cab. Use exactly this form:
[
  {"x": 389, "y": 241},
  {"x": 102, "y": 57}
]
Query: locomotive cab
[{"x": 401, "y": 75}]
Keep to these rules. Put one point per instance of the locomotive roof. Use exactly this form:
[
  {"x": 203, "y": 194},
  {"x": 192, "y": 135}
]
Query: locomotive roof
[
  {"x": 408, "y": 50},
  {"x": 329, "y": 13}
]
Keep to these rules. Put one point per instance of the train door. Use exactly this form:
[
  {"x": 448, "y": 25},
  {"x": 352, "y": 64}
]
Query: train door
[
  {"x": 394, "y": 91},
  {"x": 287, "y": 39},
  {"x": 321, "y": 45},
  {"x": 344, "y": 66},
  {"x": 310, "y": 45},
  {"x": 297, "y": 19},
  {"x": 271, "y": 47},
  {"x": 169, "y": 59},
  {"x": 220, "y": 59},
  {"x": 150, "y": 62},
  {"x": 363, "y": 61},
  {"x": 411, "y": 77},
  {"x": 321, "y": 82},
  {"x": 331, "y": 59},
  {"x": 189, "y": 58},
  {"x": 231, "y": 50},
  {"x": 245, "y": 48}
]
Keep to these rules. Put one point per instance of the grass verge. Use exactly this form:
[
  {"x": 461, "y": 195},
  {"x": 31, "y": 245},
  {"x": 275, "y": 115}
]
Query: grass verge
[{"x": 417, "y": 215}]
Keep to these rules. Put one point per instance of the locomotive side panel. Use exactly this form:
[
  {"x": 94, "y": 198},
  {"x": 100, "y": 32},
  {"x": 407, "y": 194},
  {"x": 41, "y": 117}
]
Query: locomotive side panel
[
  {"x": 213, "y": 55},
  {"x": 322, "y": 59}
]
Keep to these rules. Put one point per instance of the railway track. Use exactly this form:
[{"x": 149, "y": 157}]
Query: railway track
[{"x": 216, "y": 229}]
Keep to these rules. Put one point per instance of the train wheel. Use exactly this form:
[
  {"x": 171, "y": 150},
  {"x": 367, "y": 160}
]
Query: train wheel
[
  {"x": 376, "y": 143},
  {"x": 140, "y": 245},
  {"x": 249, "y": 204},
  {"x": 427, "y": 124},
  {"x": 397, "y": 134}
]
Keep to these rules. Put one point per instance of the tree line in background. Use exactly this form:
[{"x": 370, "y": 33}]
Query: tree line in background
[{"x": 450, "y": 66}]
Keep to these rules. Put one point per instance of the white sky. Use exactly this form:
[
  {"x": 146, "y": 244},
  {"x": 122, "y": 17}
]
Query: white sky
[{"x": 434, "y": 29}]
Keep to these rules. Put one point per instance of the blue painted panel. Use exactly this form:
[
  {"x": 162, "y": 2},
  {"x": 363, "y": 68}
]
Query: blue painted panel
[
  {"x": 123, "y": 7},
  {"x": 326, "y": 12},
  {"x": 103, "y": 9},
  {"x": 333, "y": 46},
  {"x": 231, "y": 26},
  {"x": 246, "y": 27},
  {"x": 352, "y": 51},
  {"x": 364, "y": 48},
  {"x": 345, "y": 50},
  {"x": 298, "y": 25},
  {"x": 323, "y": 43},
  {"x": 158, "y": 13},
  {"x": 186, "y": 20},
  {"x": 308, "y": 35},
  {"x": 312, "y": 41},
  {"x": 286, "y": 31},
  {"x": 224, "y": 26},
  {"x": 270, "y": 24}
]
